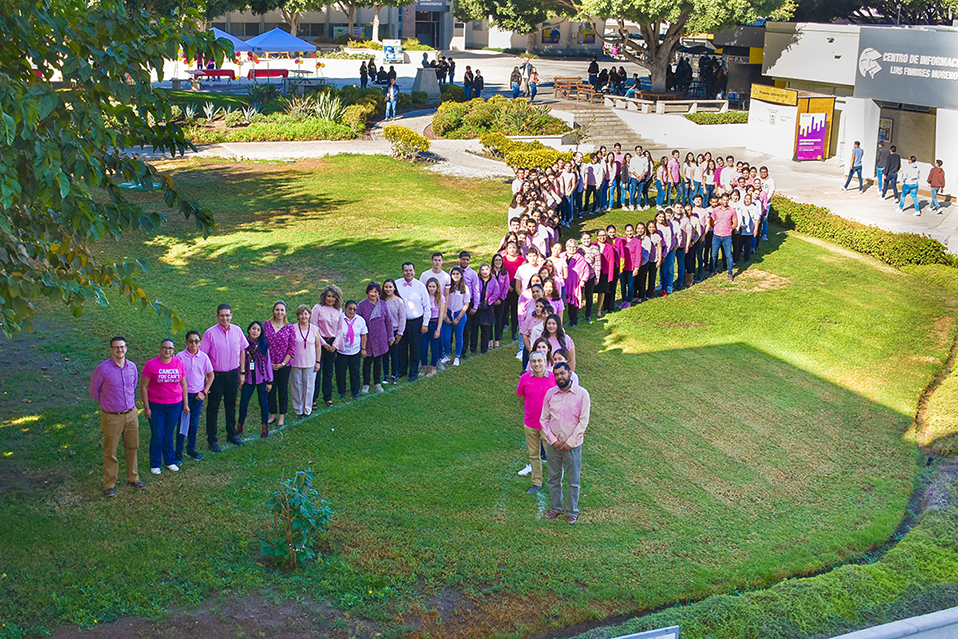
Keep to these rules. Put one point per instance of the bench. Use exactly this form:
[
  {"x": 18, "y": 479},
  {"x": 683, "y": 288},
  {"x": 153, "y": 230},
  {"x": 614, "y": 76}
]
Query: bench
[
  {"x": 562, "y": 86},
  {"x": 629, "y": 104},
  {"x": 691, "y": 106},
  {"x": 328, "y": 48}
]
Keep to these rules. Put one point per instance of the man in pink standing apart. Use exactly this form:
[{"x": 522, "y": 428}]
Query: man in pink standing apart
[
  {"x": 565, "y": 416},
  {"x": 532, "y": 389}
]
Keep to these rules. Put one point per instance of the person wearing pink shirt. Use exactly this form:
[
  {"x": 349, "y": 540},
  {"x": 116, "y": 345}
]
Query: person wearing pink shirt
[
  {"x": 113, "y": 387},
  {"x": 305, "y": 362},
  {"x": 199, "y": 378},
  {"x": 724, "y": 219},
  {"x": 564, "y": 420},
  {"x": 279, "y": 334},
  {"x": 644, "y": 259},
  {"x": 673, "y": 177},
  {"x": 627, "y": 274},
  {"x": 327, "y": 317},
  {"x": 224, "y": 344},
  {"x": 531, "y": 390},
  {"x": 164, "y": 400}
]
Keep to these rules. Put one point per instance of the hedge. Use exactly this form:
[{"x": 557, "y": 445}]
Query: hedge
[
  {"x": 729, "y": 117},
  {"x": 897, "y": 249},
  {"x": 527, "y": 155},
  {"x": 915, "y": 577},
  {"x": 472, "y": 119},
  {"x": 309, "y": 129}
]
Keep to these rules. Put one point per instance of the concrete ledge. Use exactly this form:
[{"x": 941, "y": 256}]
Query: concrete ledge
[{"x": 937, "y": 625}]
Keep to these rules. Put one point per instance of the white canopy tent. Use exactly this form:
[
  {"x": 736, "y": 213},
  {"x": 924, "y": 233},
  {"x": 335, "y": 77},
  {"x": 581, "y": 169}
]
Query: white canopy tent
[{"x": 278, "y": 41}]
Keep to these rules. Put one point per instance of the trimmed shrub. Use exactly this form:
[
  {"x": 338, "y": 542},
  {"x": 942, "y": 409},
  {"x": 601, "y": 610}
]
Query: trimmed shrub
[
  {"x": 364, "y": 44},
  {"x": 404, "y": 103},
  {"x": 356, "y": 116},
  {"x": 406, "y": 143},
  {"x": 412, "y": 44},
  {"x": 461, "y": 120},
  {"x": 729, "y": 117},
  {"x": 443, "y": 123},
  {"x": 452, "y": 93},
  {"x": 286, "y": 131},
  {"x": 419, "y": 98},
  {"x": 521, "y": 155},
  {"x": 897, "y": 249}
]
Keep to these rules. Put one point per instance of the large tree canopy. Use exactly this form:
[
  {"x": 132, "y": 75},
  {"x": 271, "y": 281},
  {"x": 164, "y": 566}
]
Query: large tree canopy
[
  {"x": 61, "y": 155},
  {"x": 878, "y": 11},
  {"x": 661, "y": 22},
  {"x": 291, "y": 10}
]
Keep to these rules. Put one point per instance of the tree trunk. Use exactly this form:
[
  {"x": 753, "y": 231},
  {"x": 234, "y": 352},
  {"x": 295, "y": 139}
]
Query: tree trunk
[
  {"x": 659, "y": 70},
  {"x": 376, "y": 9},
  {"x": 350, "y": 13},
  {"x": 292, "y": 19},
  {"x": 530, "y": 42}
]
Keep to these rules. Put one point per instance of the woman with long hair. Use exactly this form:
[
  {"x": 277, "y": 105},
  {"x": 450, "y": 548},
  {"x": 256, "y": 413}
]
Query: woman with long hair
[
  {"x": 397, "y": 322},
  {"x": 661, "y": 181},
  {"x": 374, "y": 312},
  {"x": 458, "y": 299},
  {"x": 557, "y": 337},
  {"x": 430, "y": 339},
  {"x": 327, "y": 317},
  {"x": 498, "y": 272},
  {"x": 280, "y": 335},
  {"x": 485, "y": 305},
  {"x": 259, "y": 377}
]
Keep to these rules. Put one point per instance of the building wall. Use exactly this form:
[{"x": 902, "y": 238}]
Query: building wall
[
  {"x": 826, "y": 54},
  {"x": 771, "y": 128},
  {"x": 568, "y": 39},
  {"x": 946, "y": 150}
]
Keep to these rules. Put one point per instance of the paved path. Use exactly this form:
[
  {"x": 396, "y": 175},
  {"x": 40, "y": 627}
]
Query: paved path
[{"x": 813, "y": 182}]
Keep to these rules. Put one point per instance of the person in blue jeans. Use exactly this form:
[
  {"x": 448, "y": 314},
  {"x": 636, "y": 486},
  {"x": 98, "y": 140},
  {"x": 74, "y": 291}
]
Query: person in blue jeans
[
  {"x": 856, "y": 166},
  {"x": 392, "y": 98},
  {"x": 910, "y": 178},
  {"x": 724, "y": 219},
  {"x": 199, "y": 378},
  {"x": 163, "y": 387},
  {"x": 667, "y": 270},
  {"x": 880, "y": 156}
]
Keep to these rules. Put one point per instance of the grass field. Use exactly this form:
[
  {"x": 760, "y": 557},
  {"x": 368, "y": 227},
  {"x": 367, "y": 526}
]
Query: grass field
[{"x": 741, "y": 432}]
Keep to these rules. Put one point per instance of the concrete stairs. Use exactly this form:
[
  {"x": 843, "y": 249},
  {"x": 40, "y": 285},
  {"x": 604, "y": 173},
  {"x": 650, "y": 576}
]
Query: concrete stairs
[{"x": 604, "y": 126}]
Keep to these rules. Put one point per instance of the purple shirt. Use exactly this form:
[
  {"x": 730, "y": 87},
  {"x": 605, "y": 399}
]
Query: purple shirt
[
  {"x": 114, "y": 388},
  {"x": 197, "y": 366},
  {"x": 471, "y": 278},
  {"x": 281, "y": 342},
  {"x": 224, "y": 346},
  {"x": 259, "y": 367}
]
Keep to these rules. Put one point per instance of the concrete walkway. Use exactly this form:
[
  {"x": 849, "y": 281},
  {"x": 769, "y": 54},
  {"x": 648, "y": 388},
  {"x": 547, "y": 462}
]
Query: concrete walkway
[{"x": 817, "y": 183}]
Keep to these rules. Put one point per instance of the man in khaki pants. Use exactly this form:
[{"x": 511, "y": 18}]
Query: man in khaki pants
[{"x": 113, "y": 386}]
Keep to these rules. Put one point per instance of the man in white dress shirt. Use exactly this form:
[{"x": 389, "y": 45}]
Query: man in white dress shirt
[{"x": 416, "y": 300}]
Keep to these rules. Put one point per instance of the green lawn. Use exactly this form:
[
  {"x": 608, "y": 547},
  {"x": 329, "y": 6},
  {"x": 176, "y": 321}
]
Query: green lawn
[{"x": 741, "y": 433}]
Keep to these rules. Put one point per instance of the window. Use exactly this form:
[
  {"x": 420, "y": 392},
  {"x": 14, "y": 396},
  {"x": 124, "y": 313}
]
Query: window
[{"x": 250, "y": 29}]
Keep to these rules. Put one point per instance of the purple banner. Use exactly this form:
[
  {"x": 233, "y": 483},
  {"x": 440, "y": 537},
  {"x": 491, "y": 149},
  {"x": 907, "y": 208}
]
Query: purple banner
[{"x": 811, "y": 137}]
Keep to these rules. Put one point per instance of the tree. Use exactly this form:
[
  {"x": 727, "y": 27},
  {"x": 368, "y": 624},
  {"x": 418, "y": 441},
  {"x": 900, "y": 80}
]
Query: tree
[
  {"x": 662, "y": 23},
  {"x": 379, "y": 5},
  {"x": 62, "y": 155},
  {"x": 878, "y": 11},
  {"x": 291, "y": 10},
  {"x": 349, "y": 8},
  {"x": 211, "y": 9}
]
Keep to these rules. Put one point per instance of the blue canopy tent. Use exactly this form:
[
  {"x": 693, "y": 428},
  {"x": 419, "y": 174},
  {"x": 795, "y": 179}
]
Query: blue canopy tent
[
  {"x": 278, "y": 41},
  {"x": 238, "y": 45}
]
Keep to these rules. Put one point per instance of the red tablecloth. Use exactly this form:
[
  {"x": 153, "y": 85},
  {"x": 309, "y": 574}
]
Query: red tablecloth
[
  {"x": 267, "y": 73},
  {"x": 220, "y": 73}
]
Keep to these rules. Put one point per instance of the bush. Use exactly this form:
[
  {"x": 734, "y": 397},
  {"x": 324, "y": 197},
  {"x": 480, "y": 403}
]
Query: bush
[
  {"x": 345, "y": 55},
  {"x": 234, "y": 119},
  {"x": 452, "y": 92},
  {"x": 404, "y": 102},
  {"x": 176, "y": 113},
  {"x": 274, "y": 128},
  {"x": 262, "y": 93},
  {"x": 419, "y": 98},
  {"x": 412, "y": 44},
  {"x": 456, "y": 120},
  {"x": 300, "y": 514},
  {"x": 897, "y": 249},
  {"x": 497, "y": 145},
  {"x": 521, "y": 155},
  {"x": 406, "y": 143},
  {"x": 729, "y": 117},
  {"x": 364, "y": 44},
  {"x": 356, "y": 116}
]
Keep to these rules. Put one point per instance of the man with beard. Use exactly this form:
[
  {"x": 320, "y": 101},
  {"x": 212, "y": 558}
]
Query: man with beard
[{"x": 565, "y": 416}]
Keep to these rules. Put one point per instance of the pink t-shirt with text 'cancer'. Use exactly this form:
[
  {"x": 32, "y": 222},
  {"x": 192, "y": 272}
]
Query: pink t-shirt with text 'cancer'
[{"x": 165, "y": 386}]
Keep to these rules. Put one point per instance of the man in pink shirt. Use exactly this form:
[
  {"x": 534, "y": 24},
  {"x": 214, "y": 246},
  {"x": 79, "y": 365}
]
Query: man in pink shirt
[
  {"x": 674, "y": 178},
  {"x": 724, "y": 219},
  {"x": 224, "y": 344},
  {"x": 531, "y": 391},
  {"x": 565, "y": 416}
]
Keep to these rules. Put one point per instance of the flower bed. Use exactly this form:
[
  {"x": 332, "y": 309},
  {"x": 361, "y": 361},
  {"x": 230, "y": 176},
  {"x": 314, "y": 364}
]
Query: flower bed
[
  {"x": 729, "y": 117},
  {"x": 472, "y": 119}
]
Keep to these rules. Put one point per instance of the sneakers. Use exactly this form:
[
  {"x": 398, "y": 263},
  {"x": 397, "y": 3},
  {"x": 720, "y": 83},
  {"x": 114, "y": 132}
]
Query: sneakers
[
  {"x": 525, "y": 471},
  {"x": 379, "y": 388},
  {"x": 173, "y": 467},
  {"x": 764, "y": 238},
  {"x": 444, "y": 360},
  {"x": 552, "y": 514},
  {"x": 917, "y": 213},
  {"x": 625, "y": 305},
  {"x": 195, "y": 455},
  {"x": 519, "y": 355},
  {"x": 533, "y": 490},
  {"x": 364, "y": 390},
  {"x": 455, "y": 362},
  {"x": 155, "y": 471}
]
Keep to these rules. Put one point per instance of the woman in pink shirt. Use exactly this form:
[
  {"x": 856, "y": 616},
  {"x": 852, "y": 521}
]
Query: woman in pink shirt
[
  {"x": 430, "y": 339},
  {"x": 557, "y": 337},
  {"x": 503, "y": 280},
  {"x": 551, "y": 293},
  {"x": 485, "y": 306},
  {"x": 280, "y": 336},
  {"x": 305, "y": 363},
  {"x": 577, "y": 275},
  {"x": 327, "y": 317},
  {"x": 397, "y": 321},
  {"x": 454, "y": 321},
  {"x": 163, "y": 387}
]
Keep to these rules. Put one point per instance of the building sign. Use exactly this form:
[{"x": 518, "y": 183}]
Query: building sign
[
  {"x": 775, "y": 95},
  {"x": 885, "y": 126},
  {"x": 913, "y": 66},
  {"x": 810, "y": 144},
  {"x": 585, "y": 34},
  {"x": 551, "y": 34},
  {"x": 432, "y": 5},
  {"x": 392, "y": 51}
]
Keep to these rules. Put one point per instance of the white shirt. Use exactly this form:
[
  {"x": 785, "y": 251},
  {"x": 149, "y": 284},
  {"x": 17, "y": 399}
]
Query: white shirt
[
  {"x": 639, "y": 166},
  {"x": 524, "y": 273},
  {"x": 909, "y": 174},
  {"x": 414, "y": 297},
  {"x": 768, "y": 185},
  {"x": 748, "y": 217},
  {"x": 442, "y": 276},
  {"x": 698, "y": 172},
  {"x": 352, "y": 346},
  {"x": 457, "y": 301},
  {"x": 516, "y": 185}
]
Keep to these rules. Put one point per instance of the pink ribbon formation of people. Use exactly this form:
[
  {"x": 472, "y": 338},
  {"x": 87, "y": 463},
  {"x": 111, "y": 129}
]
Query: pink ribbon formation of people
[{"x": 534, "y": 284}]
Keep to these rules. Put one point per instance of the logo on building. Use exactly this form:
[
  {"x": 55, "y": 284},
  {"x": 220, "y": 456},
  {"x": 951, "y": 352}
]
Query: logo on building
[{"x": 868, "y": 62}]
